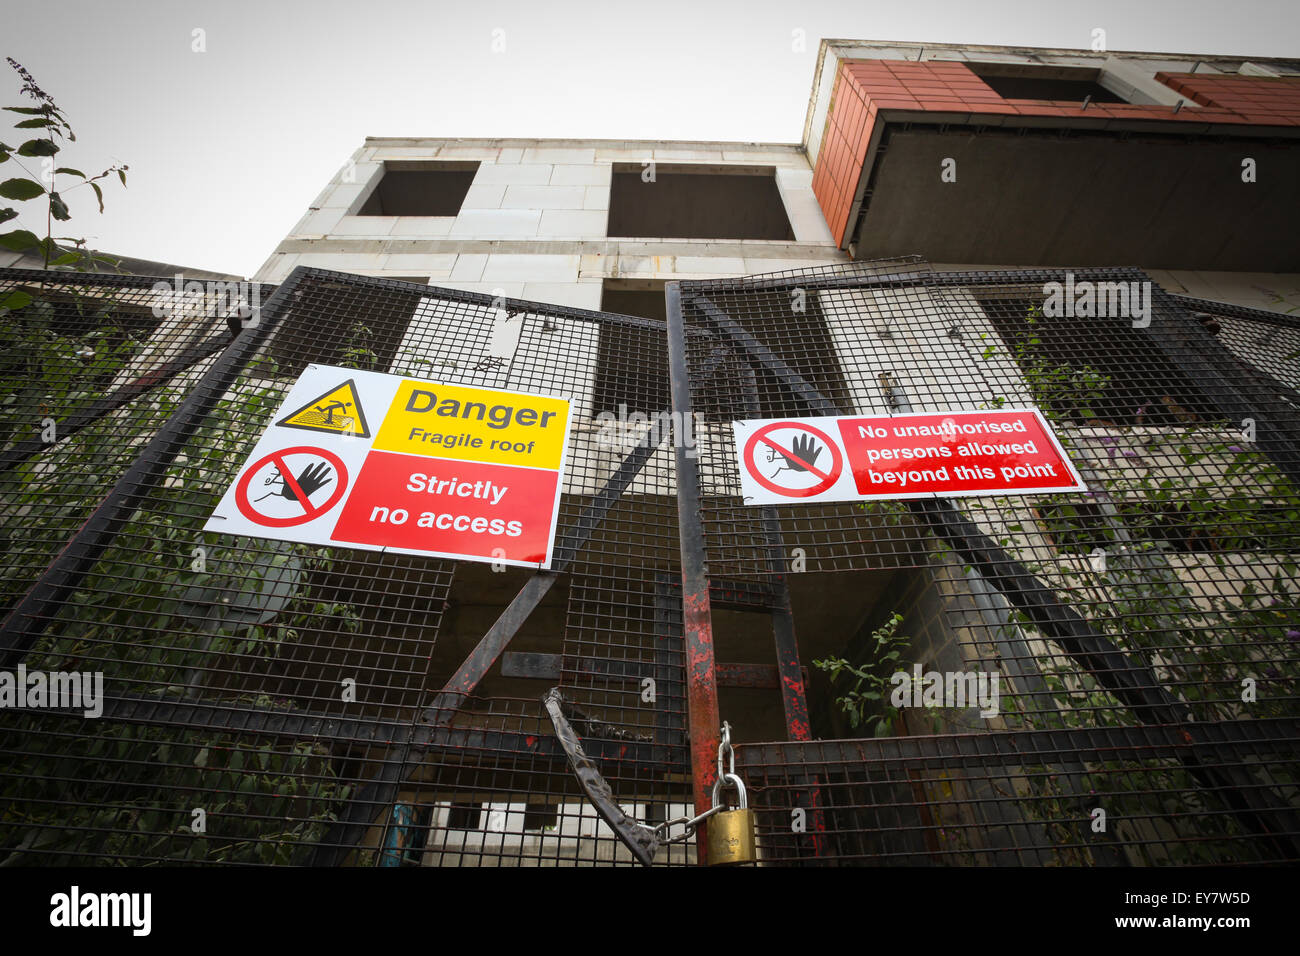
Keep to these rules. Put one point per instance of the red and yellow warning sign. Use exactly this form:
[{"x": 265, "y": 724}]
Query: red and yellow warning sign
[{"x": 451, "y": 471}]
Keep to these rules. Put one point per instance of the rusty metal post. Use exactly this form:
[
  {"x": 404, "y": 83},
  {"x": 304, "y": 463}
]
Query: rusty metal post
[{"x": 701, "y": 677}]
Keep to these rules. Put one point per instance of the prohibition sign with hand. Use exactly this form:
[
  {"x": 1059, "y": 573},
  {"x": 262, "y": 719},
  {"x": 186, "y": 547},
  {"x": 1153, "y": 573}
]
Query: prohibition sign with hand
[
  {"x": 298, "y": 489},
  {"x": 800, "y": 458}
]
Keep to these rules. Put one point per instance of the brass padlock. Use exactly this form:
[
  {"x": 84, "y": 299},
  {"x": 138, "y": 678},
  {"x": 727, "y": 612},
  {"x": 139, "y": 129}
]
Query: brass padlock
[{"x": 731, "y": 832}]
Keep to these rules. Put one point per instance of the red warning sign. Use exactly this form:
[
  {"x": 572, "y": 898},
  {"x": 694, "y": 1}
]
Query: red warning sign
[
  {"x": 450, "y": 507},
  {"x": 959, "y": 453},
  {"x": 911, "y": 455},
  {"x": 792, "y": 459},
  {"x": 291, "y": 486}
]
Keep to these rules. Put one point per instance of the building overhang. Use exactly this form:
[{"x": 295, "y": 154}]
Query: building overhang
[{"x": 926, "y": 157}]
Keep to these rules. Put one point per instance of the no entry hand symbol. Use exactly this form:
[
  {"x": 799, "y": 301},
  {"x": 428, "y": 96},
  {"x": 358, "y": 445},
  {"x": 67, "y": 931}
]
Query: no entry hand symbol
[
  {"x": 293, "y": 486},
  {"x": 787, "y": 459}
]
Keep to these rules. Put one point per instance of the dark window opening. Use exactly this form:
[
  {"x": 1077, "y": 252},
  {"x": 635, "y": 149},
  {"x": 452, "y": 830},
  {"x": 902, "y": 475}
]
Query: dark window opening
[
  {"x": 420, "y": 189},
  {"x": 794, "y": 329},
  {"x": 697, "y": 202},
  {"x": 1013, "y": 81},
  {"x": 464, "y": 816},
  {"x": 541, "y": 816},
  {"x": 1076, "y": 371},
  {"x": 632, "y": 363}
]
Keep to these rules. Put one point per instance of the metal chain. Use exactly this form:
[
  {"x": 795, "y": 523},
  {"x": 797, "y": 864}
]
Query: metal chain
[{"x": 693, "y": 823}]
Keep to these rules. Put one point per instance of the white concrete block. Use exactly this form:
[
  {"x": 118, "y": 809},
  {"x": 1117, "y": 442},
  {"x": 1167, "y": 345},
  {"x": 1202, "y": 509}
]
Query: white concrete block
[
  {"x": 512, "y": 290},
  {"x": 468, "y": 267},
  {"x": 579, "y": 295},
  {"x": 277, "y": 268},
  {"x": 484, "y": 196},
  {"x": 427, "y": 227},
  {"x": 792, "y": 178},
  {"x": 407, "y": 152},
  {"x": 625, "y": 154},
  {"x": 712, "y": 266},
  {"x": 806, "y": 217},
  {"x": 319, "y": 222},
  {"x": 510, "y": 155},
  {"x": 343, "y": 195},
  {"x": 484, "y": 154},
  {"x": 548, "y": 154},
  {"x": 574, "y": 224},
  {"x": 543, "y": 197},
  {"x": 531, "y": 174},
  {"x": 594, "y": 175},
  {"x": 365, "y": 226},
  {"x": 496, "y": 223},
  {"x": 790, "y": 158},
  {"x": 667, "y": 154},
  {"x": 343, "y": 261},
  {"x": 597, "y": 197},
  {"x": 417, "y": 263},
  {"x": 530, "y": 268},
  {"x": 756, "y": 266}
]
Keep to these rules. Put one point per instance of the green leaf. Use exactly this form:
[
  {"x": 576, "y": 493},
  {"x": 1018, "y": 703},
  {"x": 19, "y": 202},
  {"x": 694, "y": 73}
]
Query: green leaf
[
  {"x": 34, "y": 123},
  {"x": 15, "y": 299},
  {"x": 20, "y": 240},
  {"x": 70, "y": 171},
  {"x": 29, "y": 110},
  {"x": 38, "y": 147},
  {"x": 121, "y": 174},
  {"x": 99, "y": 194},
  {"x": 7, "y": 214},
  {"x": 21, "y": 189}
]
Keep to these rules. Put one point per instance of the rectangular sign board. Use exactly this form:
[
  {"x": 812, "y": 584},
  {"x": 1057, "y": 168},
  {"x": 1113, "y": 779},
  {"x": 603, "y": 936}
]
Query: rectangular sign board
[
  {"x": 387, "y": 463},
  {"x": 917, "y": 455}
]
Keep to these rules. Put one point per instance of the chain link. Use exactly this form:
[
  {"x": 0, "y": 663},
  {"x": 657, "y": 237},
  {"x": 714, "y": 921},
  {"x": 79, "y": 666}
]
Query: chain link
[{"x": 692, "y": 823}]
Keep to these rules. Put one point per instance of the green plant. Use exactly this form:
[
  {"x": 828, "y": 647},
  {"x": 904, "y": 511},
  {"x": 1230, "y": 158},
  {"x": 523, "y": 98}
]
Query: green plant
[
  {"x": 866, "y": 701},
  {"x": 142, "y": 616},
  {"x": 49, "y": 119},
  {"x": 1199, "y": 586}
]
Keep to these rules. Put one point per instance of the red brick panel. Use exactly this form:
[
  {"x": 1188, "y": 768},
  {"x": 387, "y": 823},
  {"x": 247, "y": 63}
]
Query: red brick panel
[{"x": 863, "y": 88}]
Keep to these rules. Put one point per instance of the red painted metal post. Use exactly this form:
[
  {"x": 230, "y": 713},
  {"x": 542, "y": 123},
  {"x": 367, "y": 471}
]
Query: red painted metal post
[{"x": 703, "y": 722}]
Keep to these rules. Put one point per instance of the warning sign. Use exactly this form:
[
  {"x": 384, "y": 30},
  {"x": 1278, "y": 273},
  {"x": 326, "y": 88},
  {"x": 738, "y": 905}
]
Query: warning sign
[
  {"x": 793, "y": 459},
  {"x": 337, "y": 412},
  {"x": 291, "y": 486},
  {"x": 923, "y": 455},
  {"x": 450, "y": 471}
]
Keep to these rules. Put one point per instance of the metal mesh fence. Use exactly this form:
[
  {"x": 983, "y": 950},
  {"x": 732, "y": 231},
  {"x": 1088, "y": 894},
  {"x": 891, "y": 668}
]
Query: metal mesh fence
[
  {"x": 1163, "y": 597},
  {"x": 92, "y": 366},
  {"x": 268, "y": 702}
]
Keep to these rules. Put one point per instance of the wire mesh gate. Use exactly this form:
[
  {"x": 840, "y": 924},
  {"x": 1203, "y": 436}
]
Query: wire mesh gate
[
  {"x": 1144, "y": 633},
  {"x": 224, "y": 736}
]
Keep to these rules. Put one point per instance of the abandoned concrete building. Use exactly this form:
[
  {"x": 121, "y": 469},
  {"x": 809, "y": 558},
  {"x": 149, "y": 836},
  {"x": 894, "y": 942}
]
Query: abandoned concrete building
[{"x": 1106, "y": 238}]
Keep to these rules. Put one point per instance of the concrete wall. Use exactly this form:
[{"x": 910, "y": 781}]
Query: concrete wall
[{"x": 533, "y": 224}]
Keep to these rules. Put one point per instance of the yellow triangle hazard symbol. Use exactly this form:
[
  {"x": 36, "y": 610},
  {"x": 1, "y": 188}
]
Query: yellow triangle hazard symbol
[{"x": 337, "y": 412}]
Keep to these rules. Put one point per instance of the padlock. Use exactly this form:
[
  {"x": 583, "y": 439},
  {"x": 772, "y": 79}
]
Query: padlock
[{"x": 731, "y": 832}]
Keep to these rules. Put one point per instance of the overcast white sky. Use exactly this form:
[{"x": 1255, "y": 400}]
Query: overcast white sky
[{"x": 228, "y": 147}]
